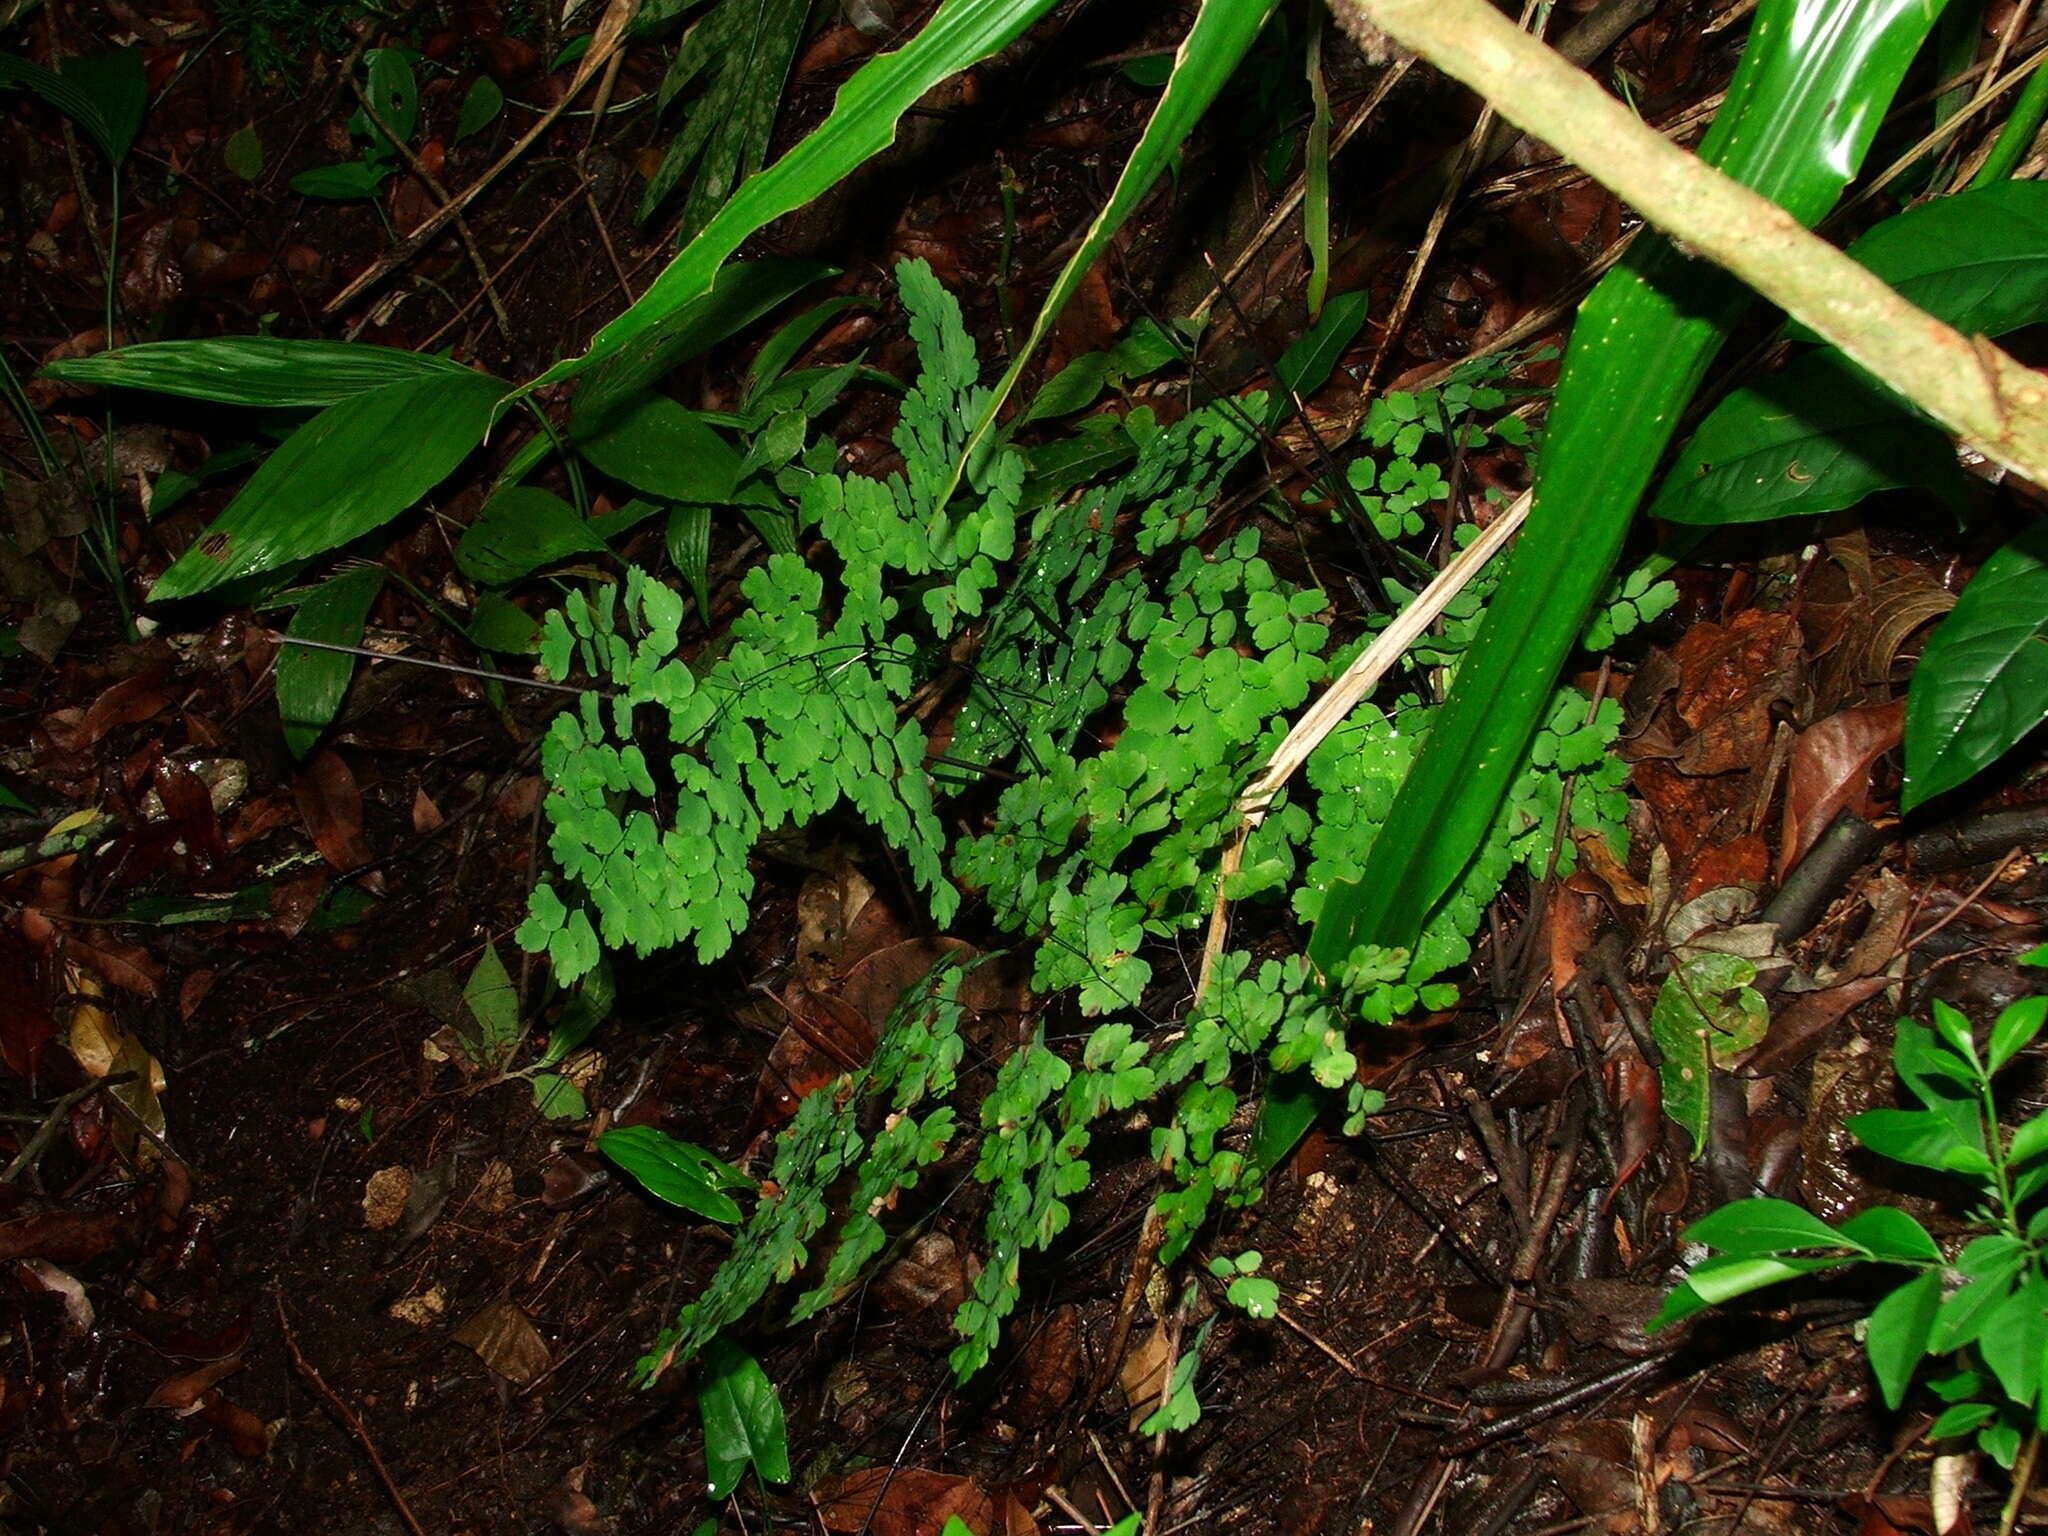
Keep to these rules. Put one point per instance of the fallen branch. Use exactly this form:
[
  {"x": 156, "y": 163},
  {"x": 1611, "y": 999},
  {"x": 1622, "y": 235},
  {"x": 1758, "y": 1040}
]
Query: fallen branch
[{"x": 1976, "y": 390}]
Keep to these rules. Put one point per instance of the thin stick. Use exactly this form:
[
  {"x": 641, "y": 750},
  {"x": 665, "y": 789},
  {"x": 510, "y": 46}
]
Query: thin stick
[
  {"x": 421, "y": 661},
  {"x": 1340, "y": 698},
  {"x": 348, "y": 1417},
  {"x": 610, "y": 34}
]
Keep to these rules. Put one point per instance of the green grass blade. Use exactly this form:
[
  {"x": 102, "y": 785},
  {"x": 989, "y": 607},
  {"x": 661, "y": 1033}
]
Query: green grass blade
[
  {"x": 1315, "y": 173},
  {"x": 266, "y": 371},
  {"x": 1223, "y": 32},
  {"x": 860, "y": 126}
]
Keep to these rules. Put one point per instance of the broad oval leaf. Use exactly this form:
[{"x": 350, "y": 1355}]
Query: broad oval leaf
[
  {"x": 656, "y": 446},
  {"x": 2016, "y": 1028},
  {"x": 339, "y": 476},
  {"x": 1982, "y": 681},
  {"x": 311, "y": 683},
  {"x": 2013, "y": 1337},
  {"x": 743, "y": 1420},
  {"x": 1766, "y": 1226},
  {"x": 106, "y": 94},
  {"x": 1918, "y": 1137},
  {"x": 1897, "y": 1340},
  {"x": 499, "y": 624},
  {"x": 267, "y": 371},
  {"x": 480, "y": 108},
  {"x": 388, "y": 82},
  {"x": 1886, "y": 1232},
  {"x": 347, "y": 181},
  {"x": 1816, "y": 437},
  {"x": 675, "y": 1171},
  {"x": 519, "y": 531},
  {"x": 1978, "y": 260}
]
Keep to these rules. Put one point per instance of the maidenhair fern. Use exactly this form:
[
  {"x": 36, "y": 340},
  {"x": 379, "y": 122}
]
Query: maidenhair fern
[{"x": 1127, "y": 703}]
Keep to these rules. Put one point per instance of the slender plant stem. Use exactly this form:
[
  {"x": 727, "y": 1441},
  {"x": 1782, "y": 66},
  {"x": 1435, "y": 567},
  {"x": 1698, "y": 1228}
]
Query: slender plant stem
[{"x": 2017, "y": 135}]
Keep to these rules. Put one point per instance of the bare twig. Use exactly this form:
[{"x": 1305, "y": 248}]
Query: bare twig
[
  {"x": 1974, "y": 389},
  {"x": 347, "y": 1416}
]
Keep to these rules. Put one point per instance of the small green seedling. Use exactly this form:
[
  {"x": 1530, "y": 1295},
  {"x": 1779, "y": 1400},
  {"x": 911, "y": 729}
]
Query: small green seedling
[{"x": 1982, "y": 1315}]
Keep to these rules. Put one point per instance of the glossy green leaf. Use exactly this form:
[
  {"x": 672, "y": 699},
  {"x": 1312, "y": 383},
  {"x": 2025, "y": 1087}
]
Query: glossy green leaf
[
  {"x": 266, "y": 371},
  {"x": 1814, "y": 438},
  {"x": 1897, "y": 1339},
  {"x": 311, "y": 683},
  {"x": 1308, "y": 364},
  {"x": 1765, "y": 1226},
  {"x": 740, "y": 295},
  {"x": 1719, "y": 1280},
  {"x": 675, "y": 1171},
  {"x": 656, "y": 446},
  {"x": 519, "y": 531},
  {"x": 743, "y": 1421},
  {"x": 1978, "y": 260},
  {"x": 1886, "y": 1232},
  {"x": 389, "y": 84},
  {"x": 1808, "y": 95},
  {"x": 336, "y": 478},
  {"x": 2013, "y": 1338},
  {"x": 480, "y": 108},
  {"x": 860, "y": 126},
  {"x": 1982, "y": 681},
  {"x": 349, "y": 181},
  {"x": 689, "y": 545},
  {"x": 1960, "y": 1420},
  {"x": 738, "y": 56},
  {"x": 2015, "y": 1030},
  {"x": 1919, "y": 1137}
]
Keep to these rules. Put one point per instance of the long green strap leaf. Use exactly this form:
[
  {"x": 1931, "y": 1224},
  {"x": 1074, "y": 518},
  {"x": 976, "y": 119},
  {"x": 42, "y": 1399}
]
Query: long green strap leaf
[
  {"x": 1806, "y": 100},
  {"x": 861, "y": 125},
  {"x": 1223, "y": 32},
  {"x": 337, "y": 478}
]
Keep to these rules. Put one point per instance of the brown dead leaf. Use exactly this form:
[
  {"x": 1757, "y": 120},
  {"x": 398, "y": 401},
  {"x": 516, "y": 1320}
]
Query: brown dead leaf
[
  {"x": 331, "y": 806},
  {"x": 128, "y": 702},
  {"x": 1795, "y": 1031},
  {"x": 1050, "y": 1368},
  {"x": 901, "y": 1501},
  {"x": 246, "y": 1433},
  {"x": 180, "y": 1393},
  {"x": 1593, "y": 1463},
  {"x": 505, "y": 1339},
  {"x": 1830, "y": 773},
  {"x": 825, "y": 909},
  {"x": 1730, "y": 676},
  {"x": 1143, "y": 1374},
  {"x": 26, "y": 1028}
]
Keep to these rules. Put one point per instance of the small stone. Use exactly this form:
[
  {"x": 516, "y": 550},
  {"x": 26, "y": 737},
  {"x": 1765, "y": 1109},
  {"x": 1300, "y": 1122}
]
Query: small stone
[{"x": 384, "y": 1197}]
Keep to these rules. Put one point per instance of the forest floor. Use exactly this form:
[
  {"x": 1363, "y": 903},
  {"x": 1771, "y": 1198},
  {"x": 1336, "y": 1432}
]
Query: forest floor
[{"x": 278, "y": 1256}]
